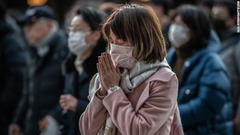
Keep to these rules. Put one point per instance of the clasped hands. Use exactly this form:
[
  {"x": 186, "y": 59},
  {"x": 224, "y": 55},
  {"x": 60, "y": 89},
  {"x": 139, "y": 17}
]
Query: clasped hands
[{"x": 108, "y": 73}]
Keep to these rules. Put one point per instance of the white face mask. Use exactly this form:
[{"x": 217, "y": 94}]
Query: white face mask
[
  {"x": 178, "y": 35},
  {"x": 122, "y": 56},
  {"x": 77, "y": 43}
]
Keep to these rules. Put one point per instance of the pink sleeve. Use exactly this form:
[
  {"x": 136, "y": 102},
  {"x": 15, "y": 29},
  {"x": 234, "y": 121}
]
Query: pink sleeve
[
  {"x": 93, "y": 117},
  {"x": 151, "y": 116}
]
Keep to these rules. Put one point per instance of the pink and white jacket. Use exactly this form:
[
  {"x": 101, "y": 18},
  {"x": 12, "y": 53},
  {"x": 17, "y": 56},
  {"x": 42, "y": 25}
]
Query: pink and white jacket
[{"x": 151, "y": 109}]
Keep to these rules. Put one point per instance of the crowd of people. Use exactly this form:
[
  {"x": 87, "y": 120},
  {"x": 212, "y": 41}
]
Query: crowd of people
[{"x": 141, "y": 67}]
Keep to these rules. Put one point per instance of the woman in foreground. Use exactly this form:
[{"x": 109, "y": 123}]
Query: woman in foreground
[{"x": 135, "y": 91}]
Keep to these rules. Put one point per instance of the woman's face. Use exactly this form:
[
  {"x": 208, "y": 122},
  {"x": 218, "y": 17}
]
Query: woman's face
[
  {"x": 115, "y": 40},
  {"x": 79, "y": 25},
  {"x": 179, "y": 33},
  {"x": 178, "y": 20}
]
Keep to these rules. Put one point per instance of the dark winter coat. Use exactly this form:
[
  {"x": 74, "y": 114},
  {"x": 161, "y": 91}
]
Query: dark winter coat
[
  {"x": 78, "y": 86},
  {"x": 45, "y": 85},
  {"x": 204, "y": 93},
  {"x": 12, "y": 73}
]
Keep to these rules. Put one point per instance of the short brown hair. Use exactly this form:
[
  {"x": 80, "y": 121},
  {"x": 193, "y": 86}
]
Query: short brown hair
[{"x": 139, "y": 26}]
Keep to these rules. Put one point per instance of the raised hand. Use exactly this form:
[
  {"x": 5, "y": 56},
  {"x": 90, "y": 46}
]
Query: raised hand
[{"x": 109, "y": 75}]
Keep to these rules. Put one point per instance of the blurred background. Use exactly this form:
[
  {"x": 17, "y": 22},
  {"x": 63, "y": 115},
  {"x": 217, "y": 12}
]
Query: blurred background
[
  {"x": 28, "y": 68},
  {"x": 64, "y": 8}
]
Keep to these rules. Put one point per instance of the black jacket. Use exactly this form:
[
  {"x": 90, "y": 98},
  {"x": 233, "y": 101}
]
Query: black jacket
[
  {"x": 78, "y": 86},
  {"x": 12, "y": 73},
  {"x": 45, "y": 85}
]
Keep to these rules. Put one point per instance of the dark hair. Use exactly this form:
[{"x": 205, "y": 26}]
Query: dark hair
[
  {"x": 208, "y": 3},
  {"x": 176, "y": 3},
  {"x": 116, "y": 1},
  {"x": 230, "y": 5},
  {"x": 198, "y": 22},
  {"x": 92, "y": 16},
  {"x": 163, "y": 3},
  {"x": 139, "y": 26},
  {"x": 2, "y": 9}
]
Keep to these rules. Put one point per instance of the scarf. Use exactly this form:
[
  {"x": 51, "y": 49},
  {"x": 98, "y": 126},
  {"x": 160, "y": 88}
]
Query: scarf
[{"x": 130, "y": 79}]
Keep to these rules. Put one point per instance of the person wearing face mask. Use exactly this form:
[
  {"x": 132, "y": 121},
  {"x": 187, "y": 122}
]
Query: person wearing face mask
[
  {"x": 204, "y": 86},
  {"x": 85, "y": 43},
  {"x": 134, "y": 91},
  {"x": 226, "y": 13}
]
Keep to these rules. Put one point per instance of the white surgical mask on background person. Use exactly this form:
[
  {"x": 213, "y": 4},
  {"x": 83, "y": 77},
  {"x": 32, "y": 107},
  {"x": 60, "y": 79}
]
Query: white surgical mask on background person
[
  {"x": 77, "y": 43},
  {"x": 122, "y": 55},
  {"x": 178, "y": 35}
]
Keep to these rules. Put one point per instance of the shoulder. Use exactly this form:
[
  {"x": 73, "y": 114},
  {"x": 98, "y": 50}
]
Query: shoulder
[
  {"x": 213, "y": 61},
  {"x": 12, "y": 45},
  {"x": 163, "y": 82},
  {"x": 60, "y": 40},
  {"x": 164, "y": 74},
  {"x": 59, "y": 44}
]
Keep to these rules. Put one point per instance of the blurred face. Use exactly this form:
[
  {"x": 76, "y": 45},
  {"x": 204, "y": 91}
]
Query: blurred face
[
  {"x": 79, "y": 25},
  {"x": 179, "y": 33},
  {"x": 221, "y": 13},
  {"x": 37, "y": 31},
  {"x": 222, "y": 21}
]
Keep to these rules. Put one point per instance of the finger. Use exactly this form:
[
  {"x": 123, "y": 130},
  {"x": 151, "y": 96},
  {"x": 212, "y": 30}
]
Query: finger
[
  {"x": 101, "y": 69},
  {"x": 110, "y": 62},
  {"x": 99, "y": 59},
  {"x": 99, "y": 72},
  {"x": 98, "y": 68},
  {"x": 98, "y": 65},
  {"x": 107, "y": 62},
  {"x": 63, "y": 97},
  {"x": 103, "y": 64},
  {"x": 62, "y": 102},
  {"x": 68, "y": 97},
  {"x": 63, "y": 106}
]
